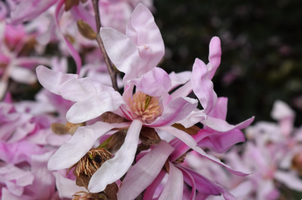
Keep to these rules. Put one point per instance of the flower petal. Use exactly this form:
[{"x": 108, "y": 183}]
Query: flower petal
[
  {"x": 189, "y": 140},
  {"x": 174, "y": 187},
  {"x": 154, "y": 83},
  {"x": 80, "y": 143},
  {"x": 121, "y": 51},
  {"x": 115, "y": 168},
  {"x": 203, "y": 86},
  {"x": 143, "y": 31},
  {"x": 94, "y": 106},
  {"x": 214, "y": 56},
  {"x": 66, "y": 187},
  {"x": 176, "y": 110},
  {"x": 142, "y": 174},
  {"x": 52, "y": 80}
]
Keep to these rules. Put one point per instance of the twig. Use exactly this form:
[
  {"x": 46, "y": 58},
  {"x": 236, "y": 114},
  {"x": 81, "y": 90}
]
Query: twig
[{"x": 111, "y": 70}]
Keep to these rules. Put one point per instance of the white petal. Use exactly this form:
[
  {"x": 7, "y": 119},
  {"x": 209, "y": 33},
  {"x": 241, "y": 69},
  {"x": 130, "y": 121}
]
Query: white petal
[
  {"x": 80, "y": 143},
  {"x": 23, "y": 75},
  {"x": 142, "y": 174},
  {"x": 66, "y": 187},
  {"x": 115, "y": 168}
]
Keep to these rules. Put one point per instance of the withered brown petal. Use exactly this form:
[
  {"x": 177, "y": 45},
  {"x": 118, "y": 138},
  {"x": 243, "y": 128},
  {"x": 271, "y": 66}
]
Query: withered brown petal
[
  {"x": 86, "y": 30},
  {"x": 149, "y": 136},
  {"x": 193, "y": 130},
  {"x": 111, "y": 117},
  {"x": 111, "y": 191},
  {"x": 70, "y": 3},
  {"x": 116, "y": 141}
]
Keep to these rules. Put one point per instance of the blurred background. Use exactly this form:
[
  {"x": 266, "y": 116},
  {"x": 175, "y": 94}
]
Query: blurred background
[{"x": 261, "y": 50}]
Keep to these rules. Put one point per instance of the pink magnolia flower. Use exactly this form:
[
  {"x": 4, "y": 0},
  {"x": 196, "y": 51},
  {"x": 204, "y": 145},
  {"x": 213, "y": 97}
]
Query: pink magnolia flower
[{"x": 136, "y": 54}]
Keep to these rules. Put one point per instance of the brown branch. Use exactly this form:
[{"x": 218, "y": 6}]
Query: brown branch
[{"x": 112, "y": 71}]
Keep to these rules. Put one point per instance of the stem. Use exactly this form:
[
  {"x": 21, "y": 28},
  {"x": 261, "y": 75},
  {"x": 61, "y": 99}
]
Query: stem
[{"x": 111, "y": 70}]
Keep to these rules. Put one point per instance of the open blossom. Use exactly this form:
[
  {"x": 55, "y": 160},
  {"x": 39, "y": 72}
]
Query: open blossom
[{"x": 150, "y": 109}]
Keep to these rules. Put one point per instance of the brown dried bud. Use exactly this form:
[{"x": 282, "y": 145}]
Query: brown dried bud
[
  {"x": 68, "y": 128},
  {"x": 111, "y": 117},
  {"x": 193, "y": 130},
  {"x": 82, "y": 195},
  {"x": 70, "y": 3},
  {"x": 297, "y": 163},
  {"x": 116, "y": 141},
  {"x": 149, "y": 136},
  {"x": 86, "y": 30},
  {"x": 88, "y": 165}
]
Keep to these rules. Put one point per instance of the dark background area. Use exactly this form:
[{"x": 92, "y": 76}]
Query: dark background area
[{"x": 261, "y": 50}]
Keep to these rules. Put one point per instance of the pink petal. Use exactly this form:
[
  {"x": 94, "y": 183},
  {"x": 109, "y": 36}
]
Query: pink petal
[
  {"x": 154, "y": 83},
  {"x": 115, "y": 168},
  {"x": 174, "y": 187},
  {"x": 203, "y": 86},
  {"x": 142, "y": 174},
  {"x": 214, "y": 56},
  {"x": 220, "y": 109},
  {"x": 28, "y": 10},
  {"x": 180, "y": 78},
  {"x": 52, "y": 80},
  {"x": 73, "y": 52},
  {"x": 222, "y": 126},
  {"x": 151, "y": 190},
  {"x": 44, "y": 182},
  {"x": 143, "y": 31},
  {"x": 176, "y": 110},
  {"x": 121, "y": 51},
  {"x": 189, "y": 140},
  {"x": 80, "y": 143},
  {"x": 190, "y": 180}
]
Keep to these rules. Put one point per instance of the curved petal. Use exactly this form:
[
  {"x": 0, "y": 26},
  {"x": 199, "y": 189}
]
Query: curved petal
[
  {"x": 190, "y": 180},
  {"x": 143, "y": 31},
  {"x": 221, "y": 142},
  {"x": 115, "y": 168},
  {"x": 214, "y": 56},
  {"x": 121, "y": 51},
  {"x": 154, "y": 83},
  {"x": 66, "y": 187},
  {"x": 142, "y": 174},
  {"x": 174, "y": 187},
  {"x": 94, "y": 106},
  {"x": 150, "y": 191},
  {"x": 180, "y": 78},
  {"x": 73, "y": 52},
  {"x": 189, "y": 140},
  {"x": 80, "y": 143},
  {"x": 52, "y": 80},
  {"x": 176, "y": 110},
  {"x": 203, "y": 86},
  {"x": 222, "y": 126}
]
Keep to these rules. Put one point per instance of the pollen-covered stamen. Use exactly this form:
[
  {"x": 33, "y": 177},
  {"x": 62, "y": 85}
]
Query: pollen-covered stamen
[{"x": 145, "y": 107}]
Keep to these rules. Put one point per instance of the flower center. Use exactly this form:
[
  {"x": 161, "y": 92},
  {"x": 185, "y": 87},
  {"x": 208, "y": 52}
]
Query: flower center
[{"x": 145, "y": 107}]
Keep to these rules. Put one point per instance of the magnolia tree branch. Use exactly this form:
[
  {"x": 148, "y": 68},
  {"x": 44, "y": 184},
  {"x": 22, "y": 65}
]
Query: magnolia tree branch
[{"x": 112, "y": 71}]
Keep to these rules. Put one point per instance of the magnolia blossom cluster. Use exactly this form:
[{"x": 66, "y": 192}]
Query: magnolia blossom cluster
[{"x": 95, "y": 135}]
